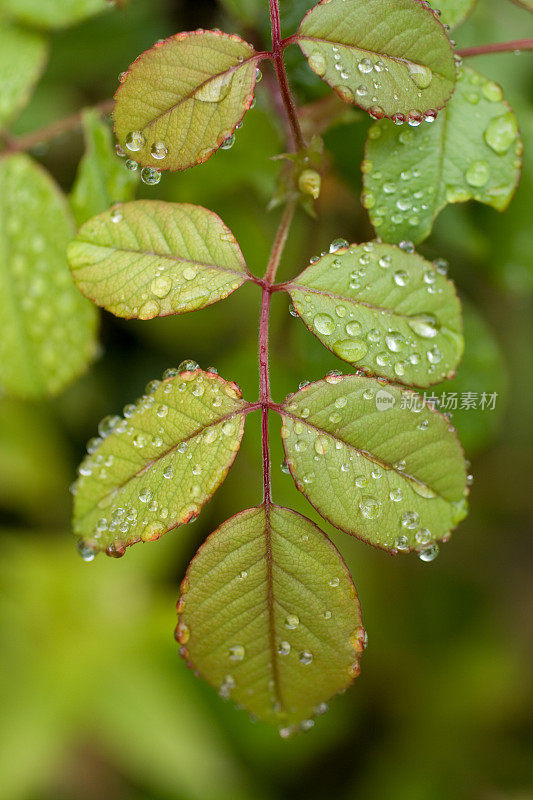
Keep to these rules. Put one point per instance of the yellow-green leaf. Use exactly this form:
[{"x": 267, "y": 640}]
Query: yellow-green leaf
[
  {"x": 385, "y": 310},
  {"x": 269, "y": 615},
  {"x": 47, "y": 329},
  {"x": 391, "y": 58},
  {"x": 149, "y": 258},
  {"x": 454, "y": 12},
  {"x": 181, "y": 100},
  {"x": 376, "y": 461},
  {"x": 154, "y": 468}
]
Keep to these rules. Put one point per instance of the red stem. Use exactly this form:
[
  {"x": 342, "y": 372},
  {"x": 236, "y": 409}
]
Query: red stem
[
  {"x": 281, "y": 73},
  {"x": 264, "y": 379},
  {"x": 497, "y": 47}
]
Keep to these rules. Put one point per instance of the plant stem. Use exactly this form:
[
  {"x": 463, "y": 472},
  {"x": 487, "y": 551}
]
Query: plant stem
[
  {"x": 29, "y": 140},
  {"x": 281, "y": 73},
  {"x": 264, "y": 378},
  {"x": 497, "y": 47}
]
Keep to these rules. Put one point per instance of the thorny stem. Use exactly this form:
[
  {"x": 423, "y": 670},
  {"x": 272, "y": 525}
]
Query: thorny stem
[
  {"x": 29, "y": 140},
  {"x": 498, "y": 47},
  {"x": 279, "y": 64}
]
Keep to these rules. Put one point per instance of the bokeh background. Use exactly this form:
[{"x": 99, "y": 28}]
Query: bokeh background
[{"x": 95, "y": 701}]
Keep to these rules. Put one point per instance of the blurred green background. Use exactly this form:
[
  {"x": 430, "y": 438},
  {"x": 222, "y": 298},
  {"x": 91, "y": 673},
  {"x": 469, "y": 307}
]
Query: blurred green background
[{"x": 95, "y": 701}]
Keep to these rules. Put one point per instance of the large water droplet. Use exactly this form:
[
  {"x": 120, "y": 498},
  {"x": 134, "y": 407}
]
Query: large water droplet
[
  {"x": 350, "y": 349},
  {"x": 324, "y": 324},
  {"x": 419, "y": 74},
  {"x": 370, "y": 507},
  {"x": 135, "y": 141},
  {"x": 214, "y": 90},
  {"x": 317, "y": 62},
  {"x": 161, "y": 286},
  {"x": 424, "y": 325},
  {"x": 501, "y": 132}
]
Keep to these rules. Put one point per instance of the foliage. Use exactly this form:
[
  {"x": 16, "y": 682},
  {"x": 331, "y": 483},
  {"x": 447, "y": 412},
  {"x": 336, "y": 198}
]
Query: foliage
[{"x": 268, "y": 612}]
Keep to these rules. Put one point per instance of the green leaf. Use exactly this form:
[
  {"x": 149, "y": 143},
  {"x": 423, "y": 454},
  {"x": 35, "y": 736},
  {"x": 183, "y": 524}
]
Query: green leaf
[
  {"x": 52, "y": 13},
  {"x": 454, "y": 12},
  {"x": 269, "y": 615},
  {"x": 525, "y": 4},
  {"x": 385, "y": 310},
  {"x": 155, "y": 468},
  {"x": 392, "y": 59},
  {"x": 47, "y": 329},
  {"x": 149, "y": 258},
  {"x": 471, "y": 151},
  {"x": 102, "y": 178},
  {"x": 184, "y": 98},
  {"x": 376, "y": 461},
  {"x": 22, "y": 59}
]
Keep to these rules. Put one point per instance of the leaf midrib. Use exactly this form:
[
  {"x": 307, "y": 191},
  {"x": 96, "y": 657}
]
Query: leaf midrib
[
  {"x": 398, "y": 59},
  {"x": 180, "y": 259}
]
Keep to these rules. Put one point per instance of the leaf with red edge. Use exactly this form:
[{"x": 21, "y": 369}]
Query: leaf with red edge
[
  {"x": 377, "y": 461},
  {"x": 391, "y": 58},
  {"x": 269, "y": 615},
  {"x": 155, "y": 468},
  {"x": 149, "y": 258},
  {"x": 183, "y": 98}
]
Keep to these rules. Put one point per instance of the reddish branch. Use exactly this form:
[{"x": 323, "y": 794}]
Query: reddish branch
[
  {"x": 498, "y": 47},
  {"x": 29, "y": 140}
]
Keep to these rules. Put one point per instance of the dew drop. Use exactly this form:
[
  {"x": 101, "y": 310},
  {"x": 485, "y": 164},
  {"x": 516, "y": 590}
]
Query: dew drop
[
  {"x": 214, "y": 90},
  {"x": 477, "y": 173},
  {"x": 150, "y": 176},
  {"x": 369, "y": 507},
  {"x": 350, "y": 349},
  {"x": 338, "y": 244},
  {"x": 429, "y": 553},
  {"x": 86, "y": 552},
  {"x": 292, "y": 622},
  {"x": 237, "y": 652},
  {"x": 161, "y": 286},
  {"x": 135, "y": 141},
  {"x": 401, "y": 278},
  {"x": 324, "y": 324},
  {"x": 149, "y": 310},
  {"x": 284, "y": 648},
  {"x": 159, "y": 150},
  {"x": 501, "y": 132},
  {"x": 424, "y": 325},
  {"x": 317, "y": 62},
  {"x": 419, "y": 74},
  {"x": 305, "y": 657}
]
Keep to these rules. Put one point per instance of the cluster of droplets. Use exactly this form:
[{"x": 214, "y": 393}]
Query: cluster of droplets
[
  {"x": 369, "y": 76},
  {"x": 412, "y": 196},
  {"x": 138, "y": 510},
  {"x": 352, "y": 333},
  {"x": 378, "y": 489},
  {"x": 175, "y": 286}
]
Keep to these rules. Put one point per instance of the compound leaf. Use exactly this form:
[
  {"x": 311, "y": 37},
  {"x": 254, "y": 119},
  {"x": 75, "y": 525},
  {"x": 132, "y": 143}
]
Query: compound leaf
[
  {"x": 392, "y": 59},
  {"x": 149, "y": 258},
  {"x": 181, "y": 100},
  {"x": 471, "y": 151},
  {"x": 22, "y": 59},
  {"x": 454, "y": 12},
  {"x": 269, "y": 615},
  {"x": 52, "y": 13},
  {"x": 102, "y": 178},
  {"x": 47, "y": 329},
  {"x": 382, "y": 309},
  {"x": 376, "y": 461},
  {"x": 155, "y": 468}
]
